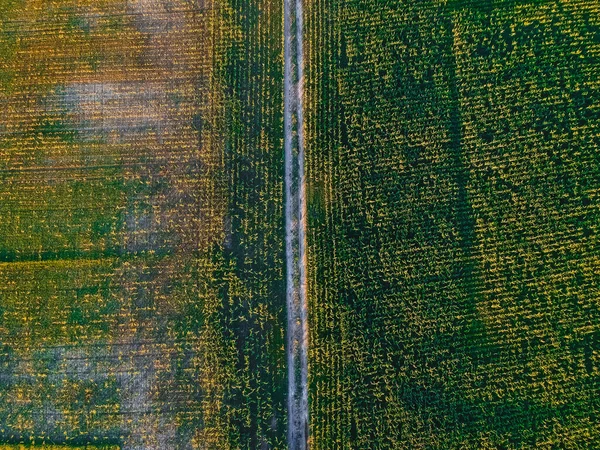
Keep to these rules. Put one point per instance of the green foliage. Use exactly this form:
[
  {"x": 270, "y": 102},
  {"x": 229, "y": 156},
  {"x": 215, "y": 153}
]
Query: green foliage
[
  {"x": 141, "y": 228},
  {"x": 253, "y": 292},
  {"x": 453, "y": 290}
]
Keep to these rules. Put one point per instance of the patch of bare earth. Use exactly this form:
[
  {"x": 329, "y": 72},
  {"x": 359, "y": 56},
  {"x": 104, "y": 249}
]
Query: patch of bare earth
[{"x": 155, "y": 111}]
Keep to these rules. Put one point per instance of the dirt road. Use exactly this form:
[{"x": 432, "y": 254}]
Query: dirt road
[{"x": 295, "y": 226}]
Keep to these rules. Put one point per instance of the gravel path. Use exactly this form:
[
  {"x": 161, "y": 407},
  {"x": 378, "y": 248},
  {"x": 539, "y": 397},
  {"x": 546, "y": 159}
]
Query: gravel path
[{"x": 295, "y": 227}]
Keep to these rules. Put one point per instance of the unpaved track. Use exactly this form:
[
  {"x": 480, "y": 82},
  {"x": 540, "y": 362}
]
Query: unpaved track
[{"x": 295, "y": 227}]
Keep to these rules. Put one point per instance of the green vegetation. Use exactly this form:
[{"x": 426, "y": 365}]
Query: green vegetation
[
  {"x": 454, "y": 180},
  {"x": 141, "y": 232},
  {"x": 453, "y": 187}
]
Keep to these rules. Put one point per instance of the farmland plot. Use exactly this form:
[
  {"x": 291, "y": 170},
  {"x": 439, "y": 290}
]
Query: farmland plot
[
  {"x": 452, "y": 205},
  {"x": 140, "y": 243},
  {"x": 453, "y": 259}
]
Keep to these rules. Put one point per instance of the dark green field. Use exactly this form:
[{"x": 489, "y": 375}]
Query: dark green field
[{"x": 454, "y": 214}]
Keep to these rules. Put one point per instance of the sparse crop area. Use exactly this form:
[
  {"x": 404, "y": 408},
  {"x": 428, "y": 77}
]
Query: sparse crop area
[
  {"x": 453, "y": 172},
  {"x": 142, "y": 302}
]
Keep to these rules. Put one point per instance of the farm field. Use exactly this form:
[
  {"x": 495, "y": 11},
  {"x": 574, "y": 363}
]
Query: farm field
[
  {"x": 141, "y": 230},
  {"x": 181, "y": 179},
  {"x": 453, "y": 185}
]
